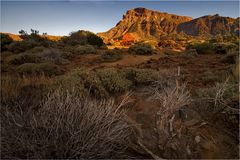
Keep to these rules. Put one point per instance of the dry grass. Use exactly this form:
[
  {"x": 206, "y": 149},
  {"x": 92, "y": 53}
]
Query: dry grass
[
  {"x": 65, "y": 126},
  {"x": 11, "y": 87}
]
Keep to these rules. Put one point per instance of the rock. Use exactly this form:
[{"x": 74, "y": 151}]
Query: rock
[{"x": 197, "y": 139}]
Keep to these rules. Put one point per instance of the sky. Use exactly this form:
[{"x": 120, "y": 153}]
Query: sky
[{"x": 63, "y": 17}]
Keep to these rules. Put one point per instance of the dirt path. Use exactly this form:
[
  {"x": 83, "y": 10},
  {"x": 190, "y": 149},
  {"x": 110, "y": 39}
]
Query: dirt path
[{"x": 94, "y": 61}]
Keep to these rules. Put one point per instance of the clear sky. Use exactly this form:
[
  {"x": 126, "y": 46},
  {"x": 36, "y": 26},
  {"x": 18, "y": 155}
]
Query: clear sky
[{"x": 63, "y": 17}]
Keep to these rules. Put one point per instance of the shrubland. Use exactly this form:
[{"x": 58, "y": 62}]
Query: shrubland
[
  {"x": 111, "y": 55},
  {"x": 48, "y": 111},
  {"x": 141, "y": 49}
]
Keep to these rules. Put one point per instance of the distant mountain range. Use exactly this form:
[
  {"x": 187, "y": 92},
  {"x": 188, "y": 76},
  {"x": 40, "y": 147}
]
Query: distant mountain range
[
  {"x": 16, "y": 37},
  {"x": 142, "y": 23}
]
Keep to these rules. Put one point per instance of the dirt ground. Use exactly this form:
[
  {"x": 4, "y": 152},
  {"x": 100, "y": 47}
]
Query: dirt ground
[
  {"x": 192, "y": 68},
  {"x": 215, "y": 141}
]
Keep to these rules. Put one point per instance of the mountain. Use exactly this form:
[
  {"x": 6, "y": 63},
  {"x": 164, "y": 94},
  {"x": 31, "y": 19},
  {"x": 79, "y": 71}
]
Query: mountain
[
  {"x": 209, "y": 25},
  {"x": 143, "y": 23}
]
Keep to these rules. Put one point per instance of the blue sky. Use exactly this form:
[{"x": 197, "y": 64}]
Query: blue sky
[{"x": 63, "y": 17}]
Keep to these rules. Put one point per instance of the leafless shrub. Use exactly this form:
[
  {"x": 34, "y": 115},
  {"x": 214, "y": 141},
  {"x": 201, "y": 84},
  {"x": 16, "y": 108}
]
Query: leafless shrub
[
  {"x": 171, "y": 97},
  {"x": 65, "y": 126},
  {"x": 216, "y": 99}
]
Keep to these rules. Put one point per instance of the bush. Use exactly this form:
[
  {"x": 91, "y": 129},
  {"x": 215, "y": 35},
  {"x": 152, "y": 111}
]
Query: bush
[
  {"x": 230, "y": 58},
  {"x": 235, "y": 70},
  {"x": 112, "y": 55},
  {"x": 36, "y": 49},
  {"x": 39, "y": 68},
  {"x": 14, "y": 88},
  {"x": 224, "y": 48},
  {"x": 85, "y": 49},
  {"x": 76, "y": 38},
  {"x": 21, "y": 46},
  {"x": 23, "y": 58},
  {"x": 65, "y": 126},
  {"x": 191, "y": 52},
  {"x": 141, "y": 49},
  {"x": 82, "y": 38},
  {"x": 140, "y": 76},
  {"x": 202, "y": 48},
  {"x": 113, "y": 81},
  {"x": 95, "y": 40},
  {"x": 229, "y": 90},
  {"x": 52, "y": 55},
  {"x": 84, "y": 81},
  {"x": 34, "y": 37},
  {"x": 5, "y": 40}
]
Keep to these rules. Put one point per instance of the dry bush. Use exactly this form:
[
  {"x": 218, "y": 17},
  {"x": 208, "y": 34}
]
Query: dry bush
[
  {"x": 52, "y": 55},
  {"x": 65, "y": 126},
  {"x": 47, "y": 68},
  {"x": 216, "y": 99},
  {"x": 172, "y": 98},
  {"x": 22, "y": 58}
]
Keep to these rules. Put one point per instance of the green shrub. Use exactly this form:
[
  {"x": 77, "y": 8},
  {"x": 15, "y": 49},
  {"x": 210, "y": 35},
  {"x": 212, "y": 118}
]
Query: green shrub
[
  {"x": 209, "y": 48},
  {"x": 52, "y": 55},
  {"x": 230, "y": 58},
  {"x": 140, "y": 76},
  {"x": 76, "y": 38},
  {"x": 23, "y": 58},
  {"x": 82, "y": 38},
  {"x": 95, "y": 40},
  {"x": 84, "y": 49},
  {"x": 6, "y": 54},
  {"x": 224, "y": 48},
  {"x": 112, "y": 55},
  {"x": 21, "y": 46},
  {"x": 202, "y": 48},
  {"x": 83, "y": 81},
  {"x": 36, "y": 49},
  {"x": 68, "y": 51},
  {"x": 5, "y": 40},
  {"x": 191, "y": 52},
  {"x": 38, "y": 69},
  {"x": 113, "y": 81},
  {"x": 34, "y": 37},
  {"x": 208, "y": 76},
  {"x": 231, "y": 90},
  {"x": 141, "y": 49}
]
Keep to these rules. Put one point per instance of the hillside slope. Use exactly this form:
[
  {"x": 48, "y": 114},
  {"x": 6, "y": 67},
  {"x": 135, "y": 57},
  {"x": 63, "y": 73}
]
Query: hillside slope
[
  {"x": 145, "y": 24},
  {"x": 209, "y": 25}
]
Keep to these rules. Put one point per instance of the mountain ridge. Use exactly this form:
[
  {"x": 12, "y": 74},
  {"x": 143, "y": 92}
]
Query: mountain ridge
[{"x": 142, "y": 23}]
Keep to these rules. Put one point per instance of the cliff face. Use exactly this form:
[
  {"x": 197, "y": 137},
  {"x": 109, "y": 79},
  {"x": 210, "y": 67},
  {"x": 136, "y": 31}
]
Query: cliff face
[
  {"x": 142, "y": 24},
  {"x": 209, "y": 25},
  {"x": 145, "y": 24}
]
